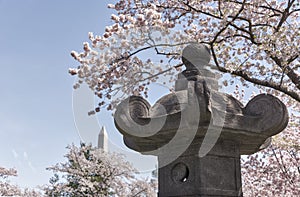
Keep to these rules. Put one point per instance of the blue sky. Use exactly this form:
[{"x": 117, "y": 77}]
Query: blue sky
[{"x": 36, "y": 114}]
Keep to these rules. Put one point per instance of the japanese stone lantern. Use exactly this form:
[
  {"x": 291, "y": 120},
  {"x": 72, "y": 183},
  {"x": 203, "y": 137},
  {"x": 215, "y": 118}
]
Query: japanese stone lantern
[{"x": 199, "y": 133}]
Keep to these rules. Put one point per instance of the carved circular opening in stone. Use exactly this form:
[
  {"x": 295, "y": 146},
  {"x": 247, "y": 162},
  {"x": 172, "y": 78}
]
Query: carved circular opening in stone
[{"x": 180, "y": 172}]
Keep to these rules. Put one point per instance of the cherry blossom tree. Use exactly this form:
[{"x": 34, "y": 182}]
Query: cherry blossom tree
[
  {"x": 256, "y": 42},
  {"x": 7, "y": 189},
  {"x": 92, "y": 172},
  {"x": 275, "y": 171}
]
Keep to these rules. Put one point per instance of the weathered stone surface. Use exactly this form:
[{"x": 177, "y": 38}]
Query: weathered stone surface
[
  {"x": 263, "y": 117},
  {"x": 217, "y": 174},
  {"x": 180, "y": 124}
]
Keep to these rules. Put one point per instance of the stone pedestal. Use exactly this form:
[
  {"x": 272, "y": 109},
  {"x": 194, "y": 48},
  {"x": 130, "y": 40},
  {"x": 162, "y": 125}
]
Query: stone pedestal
[{"x": 216, "y": 174}]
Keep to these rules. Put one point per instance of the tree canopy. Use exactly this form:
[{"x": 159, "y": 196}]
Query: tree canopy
[
  {"x": 8, "y": 189},
  {"x": 92, "y": 172},
  {"x": 258, "y": 41}
]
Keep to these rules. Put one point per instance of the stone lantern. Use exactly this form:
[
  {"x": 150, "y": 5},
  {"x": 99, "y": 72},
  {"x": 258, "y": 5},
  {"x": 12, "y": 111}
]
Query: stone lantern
[{"x": 199, "y": 133}]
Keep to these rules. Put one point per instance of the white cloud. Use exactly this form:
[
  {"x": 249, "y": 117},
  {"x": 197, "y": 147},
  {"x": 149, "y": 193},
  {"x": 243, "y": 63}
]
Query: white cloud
[
  {"x": 15, "y": 154},
  {"x": 25, "y": 155},
  {"x": 31, "y": 166},
  {"x": 29, "y": 162}
]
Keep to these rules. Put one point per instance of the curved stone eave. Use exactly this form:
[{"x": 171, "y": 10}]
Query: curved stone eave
[
  {"x": 250, "y": 128},
  {"x": 155, "y": 124},
  {"x": 254, "y": 124},
  {"x": 249, "y": 142}
]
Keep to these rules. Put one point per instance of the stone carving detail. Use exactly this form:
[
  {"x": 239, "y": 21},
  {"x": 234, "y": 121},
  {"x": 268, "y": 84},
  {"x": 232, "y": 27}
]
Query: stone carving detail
[
  {"x": 180, "y": 172},
  {"x": 263, "y": 117},
  {"x": 203, "y": 116}
]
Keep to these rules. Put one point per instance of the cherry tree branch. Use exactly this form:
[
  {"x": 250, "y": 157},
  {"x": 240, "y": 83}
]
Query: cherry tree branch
[
  {"x": 295, "y": 78},
  {"x": 253, "y": 80},
  {"x": 282, "y": 167}
]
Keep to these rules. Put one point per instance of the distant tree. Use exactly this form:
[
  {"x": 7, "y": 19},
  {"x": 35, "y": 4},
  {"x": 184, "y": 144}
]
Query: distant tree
[
  {"x": 7, "y": 189},
  {"x": 92, "y": 172}
]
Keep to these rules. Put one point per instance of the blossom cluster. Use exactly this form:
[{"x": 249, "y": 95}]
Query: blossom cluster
[
  {"x": 255, "y": 40},
  {"x": 93, "y": 172},
  {"x": 8, "y": 189}
]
